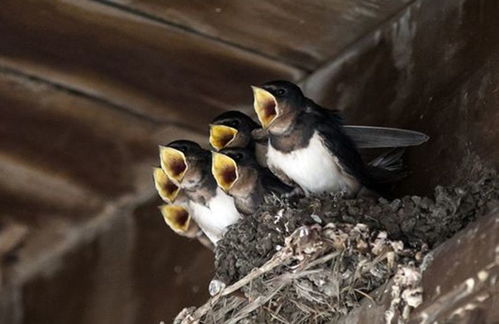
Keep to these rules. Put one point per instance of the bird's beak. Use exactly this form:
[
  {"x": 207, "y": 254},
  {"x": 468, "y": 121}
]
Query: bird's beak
[
  {"x": 265, "y": 106},
  {"x": 224, "y": 170},
  {"x": 166, "y": 188},
  {"x": 176, "y": 217},
  {"x": 173, "y": 162},
  {"x": 221, "y": 136}
]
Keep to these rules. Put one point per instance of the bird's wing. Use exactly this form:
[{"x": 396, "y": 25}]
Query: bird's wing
[
  {"x": 373, "y": 136},
  {"x": 341, "y": 146},
  {"x": 273, "y": 184},
  {"x": 382, "y": 137}
]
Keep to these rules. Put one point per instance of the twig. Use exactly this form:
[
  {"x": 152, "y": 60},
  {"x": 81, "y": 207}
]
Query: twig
[
  {"x": 322, "y": 260},
  {"x": 278, "y": 259},
  {"x": 260, "y": 301},
  {"x": 365, "y": 295}
]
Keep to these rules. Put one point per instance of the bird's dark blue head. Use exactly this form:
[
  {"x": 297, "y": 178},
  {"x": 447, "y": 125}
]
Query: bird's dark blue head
[
  {"x": 284, "y": 90},
  {"x": 241, "y": 156},
  {"x": 277, "y": 101},
  {"x": 235, "y": 119},
  {"x": 183, "y": 158},
  {"x": 186, "y": 146},
  {"x": 231, "y": 129}
]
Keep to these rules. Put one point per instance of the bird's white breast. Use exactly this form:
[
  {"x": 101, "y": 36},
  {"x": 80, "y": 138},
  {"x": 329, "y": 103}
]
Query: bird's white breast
[
  {"x": 313, "y": 168},
  {"x": 214, "y": 218},
  {"x": 224, "y": 209}
]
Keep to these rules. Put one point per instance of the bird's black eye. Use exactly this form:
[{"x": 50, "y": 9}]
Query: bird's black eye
[
  {"x": 280, "y": 92},
  {"x": 234, "y": 123},
  {"x": 237, "y": 156}
]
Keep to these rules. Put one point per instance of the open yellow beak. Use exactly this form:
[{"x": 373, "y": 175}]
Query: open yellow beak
[
  {"x": 265, "y": 106},
  {"x": 224, "y": 169},
  {"x": 165, "y": 187},
  {"x": 221, "y": 136},
  {"x": 176, "y": 217},
  {"x": 173, "y": 162}
]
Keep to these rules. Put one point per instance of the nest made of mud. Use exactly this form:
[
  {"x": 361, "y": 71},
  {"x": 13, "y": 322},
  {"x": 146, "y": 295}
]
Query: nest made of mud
[{"x": 312, "y": 259}]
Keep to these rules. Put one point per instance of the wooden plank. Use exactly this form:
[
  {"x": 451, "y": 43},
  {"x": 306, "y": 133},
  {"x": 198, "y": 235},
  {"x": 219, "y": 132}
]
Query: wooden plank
[
  {"x": 30, "y": 195},
  {"x": 461, "y": 280},
  {"x": 459, "y": 284},
  {"x": 69, "y": 137},
  {"x": 149, "y": 68},
  {"x": 302, "y": 33}
]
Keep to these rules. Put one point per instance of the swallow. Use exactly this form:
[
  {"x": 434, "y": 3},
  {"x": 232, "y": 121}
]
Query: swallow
[
  {"x": 307, "y": 144},
  {"x": 172, "y": 212},
  {"x": 189, "y": 167},
  {"x": 234, "y": 129},
  {"x": 238, "y": 173},
  {"x": 231, "y": 129}
]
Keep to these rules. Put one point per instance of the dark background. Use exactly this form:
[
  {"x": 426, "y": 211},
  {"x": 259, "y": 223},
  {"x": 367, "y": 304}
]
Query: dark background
[{"x": 89, "y": 88}]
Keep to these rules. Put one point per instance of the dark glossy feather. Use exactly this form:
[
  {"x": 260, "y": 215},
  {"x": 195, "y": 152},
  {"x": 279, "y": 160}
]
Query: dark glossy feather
[
  {"x": 330, "y": 127},
  {"x": 383, "y": 137}
]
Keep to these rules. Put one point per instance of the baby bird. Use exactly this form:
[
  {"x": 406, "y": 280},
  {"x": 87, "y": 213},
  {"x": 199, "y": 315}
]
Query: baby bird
[
  {"x": 238, "y": 173},
  {"x": 189, "y": 167}
]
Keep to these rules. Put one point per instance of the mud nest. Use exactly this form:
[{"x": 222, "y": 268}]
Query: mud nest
[{"x": 314, "y": 258}]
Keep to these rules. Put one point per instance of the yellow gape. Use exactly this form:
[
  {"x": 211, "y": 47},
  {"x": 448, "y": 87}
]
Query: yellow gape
[
  {"x": 221, "y": 136},
  {"x": 224, "y": 169},
  {"x": 165, "y": 187},
  {"x": 173, "y": 162},
  {"x": 265, "y": 106},
  {"x": 176, "y": 217}
]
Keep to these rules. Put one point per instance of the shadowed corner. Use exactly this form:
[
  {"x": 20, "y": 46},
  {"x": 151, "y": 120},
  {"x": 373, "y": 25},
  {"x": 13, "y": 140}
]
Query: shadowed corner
[{"x": 224, "y": 169}]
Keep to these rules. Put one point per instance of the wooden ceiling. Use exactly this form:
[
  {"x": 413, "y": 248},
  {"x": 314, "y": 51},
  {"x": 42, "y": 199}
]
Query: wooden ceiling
[
  {"x": 88, "y": 88},
  {"x": 165, "y": 60}
]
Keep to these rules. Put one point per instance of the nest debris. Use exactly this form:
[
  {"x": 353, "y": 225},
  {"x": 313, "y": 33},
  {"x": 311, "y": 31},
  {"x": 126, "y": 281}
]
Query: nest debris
[{"x": 312, "y": 259}]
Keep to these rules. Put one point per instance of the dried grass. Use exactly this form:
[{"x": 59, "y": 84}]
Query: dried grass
[
  {"x": 319, "y": 275},
  {"x": 311, "y": 260}
]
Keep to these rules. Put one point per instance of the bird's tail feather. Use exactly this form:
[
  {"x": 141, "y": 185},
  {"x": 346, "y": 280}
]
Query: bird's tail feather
[{"x": 388, "y": 167}]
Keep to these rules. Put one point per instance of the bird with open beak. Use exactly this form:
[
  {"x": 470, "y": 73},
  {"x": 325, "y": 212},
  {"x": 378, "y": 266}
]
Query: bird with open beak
[
  {"x": 234, "y": 129},
  {"x": 177, "y": 213},
  {"x": 238, "y": 173},
  {"x": 189, "y": 167},
  {"x": 167, "y": 189},
  {"x": 307, "y": 144},
  {"x": 178, "y": 218}
]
